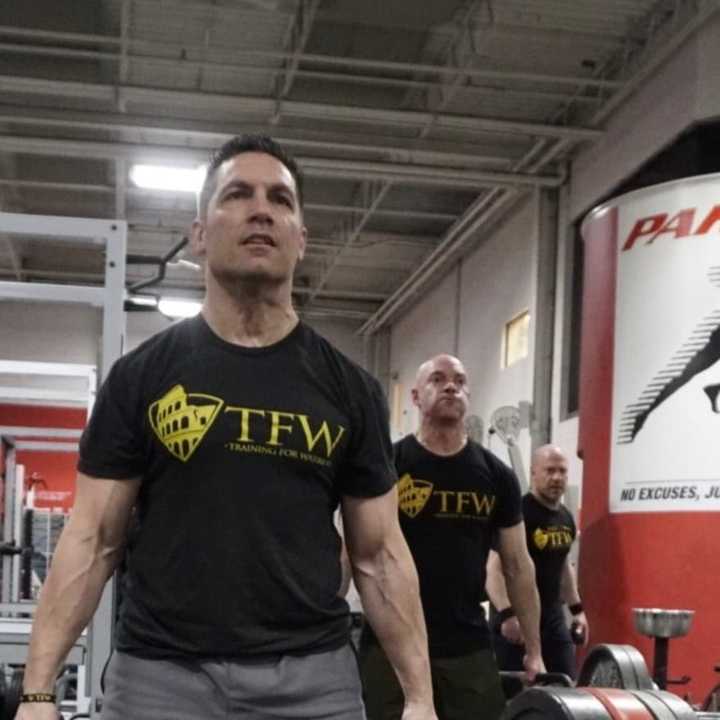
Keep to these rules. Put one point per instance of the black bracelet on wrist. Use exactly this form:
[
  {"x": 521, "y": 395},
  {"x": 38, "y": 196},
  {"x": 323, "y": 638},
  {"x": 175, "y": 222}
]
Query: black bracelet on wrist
[
  {"x": 505, "y": 614},
  {"x": 575, "y": 608},
  {"x": 38, "y": 697}
]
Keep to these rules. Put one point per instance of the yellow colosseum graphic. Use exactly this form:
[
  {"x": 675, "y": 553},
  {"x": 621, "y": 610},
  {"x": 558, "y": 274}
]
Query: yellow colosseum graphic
[
  {"x": 180, "y": 420},
  {"x": 413, "y": 494},
  {"x": 540, "y": 538}
]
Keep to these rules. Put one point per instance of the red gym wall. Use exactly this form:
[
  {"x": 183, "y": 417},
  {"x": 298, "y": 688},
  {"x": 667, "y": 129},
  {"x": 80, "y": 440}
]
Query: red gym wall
[
  {"x": 652, "y": 555},
  {"x": 57, "y": 469}
]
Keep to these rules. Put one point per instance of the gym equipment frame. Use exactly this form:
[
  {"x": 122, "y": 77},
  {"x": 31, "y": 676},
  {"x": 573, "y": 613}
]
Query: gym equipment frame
[{"x": 112, "y": 235}]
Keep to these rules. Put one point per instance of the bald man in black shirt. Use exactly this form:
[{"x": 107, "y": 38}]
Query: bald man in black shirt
[{"x": 550, "y": 531}]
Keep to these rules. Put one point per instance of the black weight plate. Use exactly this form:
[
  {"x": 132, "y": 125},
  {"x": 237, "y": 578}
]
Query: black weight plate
[
  {"x": 13, "y": 693},
  {"x": 554, "y": 703},
  {"x": 615, "y": 666}
]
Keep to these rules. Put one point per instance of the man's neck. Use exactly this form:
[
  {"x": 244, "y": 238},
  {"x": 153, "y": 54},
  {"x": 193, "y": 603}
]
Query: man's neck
[
  {"x": 442, "y": 439},
  {"x": 249, "y": 316},
  {"x": 543, "y": 501}
]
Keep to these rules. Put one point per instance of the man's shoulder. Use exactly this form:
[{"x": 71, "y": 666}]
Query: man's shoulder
[
  {"x": 405, "y": 444},
  {"x": 565, "y": 510},
  {"x": 335, "y": 359},
  {"x": 487, "y": 457},
  {"x": 167, "y": 341}
]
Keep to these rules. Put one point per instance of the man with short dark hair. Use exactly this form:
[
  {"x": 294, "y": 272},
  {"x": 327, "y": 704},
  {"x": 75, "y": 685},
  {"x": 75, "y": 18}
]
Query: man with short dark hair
[
  {"x": 235, "y": 435},
  {"x": 550, "y": 531},
  {"x": 455, "y": 497}
]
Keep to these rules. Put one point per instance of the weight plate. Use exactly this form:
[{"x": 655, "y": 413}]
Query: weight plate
[
  {"x": 615, "y": 666},
  {"x": 679, "y": 708},
  {"x": 621, "y": 704},
  {"x": 656, "y": 706},
  {"x": 12, "y": 694},
  {"x": 554, "y": 703}
]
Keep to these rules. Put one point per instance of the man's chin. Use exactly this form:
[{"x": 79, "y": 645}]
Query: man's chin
[
  {"x": 450, "y": 416},
  {"x": 257, "y": 275}
]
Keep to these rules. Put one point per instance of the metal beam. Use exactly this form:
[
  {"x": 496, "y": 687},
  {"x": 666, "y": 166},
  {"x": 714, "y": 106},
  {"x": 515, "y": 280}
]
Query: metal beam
[
  {"x": 215, "y": 133},
  {"x": 15, "y": 259},
  {"x": 59, "y": 227},
  {"x": 347, "y": 63},
  {"x": 299, "y": 34},
  {"x": 450, "y": 88},
  {"x": 373, "y": 196},
  {"x": 42, "y": 395},
  {"x": 25, "y": 367},
  {"x": 41, "y": 292},
  {"x": 243, "y": 105},
  {"x": 82, "y": 294},
  {"x": 317, "y": 167},
  {"x": 410, "y": 213},
  {"x": 484, "y": 211},
  {"x": 708, "y": 9},
  {"x": 43, "y": 445},
  {"x": 355, "y": 79},
  {"x": 27, "y": 431}
]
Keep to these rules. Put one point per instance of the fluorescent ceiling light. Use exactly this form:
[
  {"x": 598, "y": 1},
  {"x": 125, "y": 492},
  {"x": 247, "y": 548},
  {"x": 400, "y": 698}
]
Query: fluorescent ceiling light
[
  {"x": 160, "y": 177},
  {"x": 146, "y": 300},
  {"x": 179, "y": 308}
]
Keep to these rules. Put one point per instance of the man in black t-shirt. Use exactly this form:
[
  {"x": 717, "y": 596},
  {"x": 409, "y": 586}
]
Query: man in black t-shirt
[
  {"x": 454, "y": 497},
  {"x": 550, "y": 532},
  {"x": 234, "y": 436}
]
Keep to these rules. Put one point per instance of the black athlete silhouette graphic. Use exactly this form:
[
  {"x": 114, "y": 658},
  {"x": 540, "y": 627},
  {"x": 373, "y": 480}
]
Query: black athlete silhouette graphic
[{"x": 698, "y": 353}]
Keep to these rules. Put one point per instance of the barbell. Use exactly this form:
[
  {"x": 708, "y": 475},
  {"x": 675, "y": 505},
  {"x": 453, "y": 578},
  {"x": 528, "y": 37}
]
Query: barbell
[{"x": 594, "y": 703}]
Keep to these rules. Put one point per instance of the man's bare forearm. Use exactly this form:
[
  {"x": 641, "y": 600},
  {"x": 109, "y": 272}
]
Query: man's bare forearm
[
  {"x": 81, "y": 566},
  {"x": 388, "y": 587},
  {"x": 495, "y": 582},
  {"x": 568, "y": 585},
  {"x": 525, "y": 601}
]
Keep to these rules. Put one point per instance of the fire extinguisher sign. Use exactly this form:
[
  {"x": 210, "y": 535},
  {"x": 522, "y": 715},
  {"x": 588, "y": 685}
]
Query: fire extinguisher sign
[{"x": 665, "y": 454}]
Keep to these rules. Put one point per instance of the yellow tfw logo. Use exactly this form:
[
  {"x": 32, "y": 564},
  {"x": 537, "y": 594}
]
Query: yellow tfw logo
[
  {"x": 180, "y": 420},
  {"x": 553, "y": 538},
  {"x": 413, "y": 494}
]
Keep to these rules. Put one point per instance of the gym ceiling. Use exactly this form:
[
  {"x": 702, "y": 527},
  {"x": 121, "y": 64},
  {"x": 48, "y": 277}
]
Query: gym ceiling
[{"x": 419, "y": 124}]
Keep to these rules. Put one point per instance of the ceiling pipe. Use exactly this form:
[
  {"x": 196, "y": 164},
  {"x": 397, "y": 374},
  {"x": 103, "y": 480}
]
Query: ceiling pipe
[
  {"x": 214, "y": 133},
  {"x": 312, "y": 167},
  {"x": 244, "y": 105},
  {"x": 348, "y": 63}
]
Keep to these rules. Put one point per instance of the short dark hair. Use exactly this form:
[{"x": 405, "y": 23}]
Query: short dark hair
[{"x": 244, "y": 144}]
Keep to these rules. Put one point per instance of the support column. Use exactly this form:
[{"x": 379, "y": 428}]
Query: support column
[{"x": 546, "y": 268}]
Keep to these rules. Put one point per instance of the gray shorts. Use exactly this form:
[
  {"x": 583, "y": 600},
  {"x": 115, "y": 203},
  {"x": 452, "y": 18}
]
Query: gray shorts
[{"x": 325, "y": 685}]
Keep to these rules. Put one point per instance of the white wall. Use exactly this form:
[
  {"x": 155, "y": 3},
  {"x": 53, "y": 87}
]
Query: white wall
[
  {"x": 344, "y": 335},
  {"x": 496, "y": 283},
  {"x": 428, "y": 329}
]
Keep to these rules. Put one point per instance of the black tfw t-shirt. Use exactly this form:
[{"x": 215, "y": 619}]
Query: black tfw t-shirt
[
  {"x": 244, "y": 454},
  {"x": 450, "y": 507},
  {"x": 550, "y": 534}
]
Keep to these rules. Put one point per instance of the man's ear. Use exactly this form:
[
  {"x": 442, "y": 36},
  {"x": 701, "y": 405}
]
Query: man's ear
[
  {"x": 303, "y": 243},
  {"x": 197, "y": 238},
  {"x": 415, "y": 397}
]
